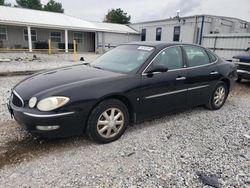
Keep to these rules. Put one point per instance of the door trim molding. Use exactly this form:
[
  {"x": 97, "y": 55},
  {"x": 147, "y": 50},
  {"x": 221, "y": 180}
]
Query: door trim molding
[
  {"x": 164, "y": 94},
  {"x": 174, "y": 92},
  {"x": 198, "y": 87}
]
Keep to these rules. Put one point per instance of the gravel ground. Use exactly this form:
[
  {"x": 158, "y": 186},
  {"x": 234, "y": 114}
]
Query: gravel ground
[
  {"x": 165, "y": 152},
  {"x": 24, "y": 61}
]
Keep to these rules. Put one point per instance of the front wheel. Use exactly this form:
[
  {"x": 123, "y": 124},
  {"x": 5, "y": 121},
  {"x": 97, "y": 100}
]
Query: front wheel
[
  {"x": 239, "y": 79},
  {"x": 108, "y": 121},
  {"x": 218, "y": 96}
]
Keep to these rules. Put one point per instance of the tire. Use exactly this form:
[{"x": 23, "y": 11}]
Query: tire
[
  {"x": 108, "y": 121},
  {"x": 239, "y": 79},
  {"x": 217, "y": 93}
]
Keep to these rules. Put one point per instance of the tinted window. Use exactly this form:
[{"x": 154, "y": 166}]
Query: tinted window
[
  {"x": 212, "y": 57},
  {"x": 170, "y": 57},
  {"x": 158, "y": 34},
  {"x": 177, "y": 31},
  {"x": 196, "y": 56},
  {"x": 143, "y": 34}
]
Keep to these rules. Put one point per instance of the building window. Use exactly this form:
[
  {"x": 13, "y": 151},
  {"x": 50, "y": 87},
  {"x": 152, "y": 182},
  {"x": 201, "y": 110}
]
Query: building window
[
  {"x": 3, "y": 33},
  {"x": 158, "y": 34},
  {"x": 78, "y": 37},
  {"x": 177, "y": 31},
  {"x": 33, "y": 35},
  {"x": 143, "y": 34},
  {"x": 55, "y": 36},
  {"x": 197, "y": 36}
]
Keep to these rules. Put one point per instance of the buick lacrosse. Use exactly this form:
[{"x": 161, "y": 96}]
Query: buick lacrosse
[{"x": 130, "y": 83}]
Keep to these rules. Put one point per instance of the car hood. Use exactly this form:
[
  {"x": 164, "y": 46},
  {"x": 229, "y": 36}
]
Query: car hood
[
  {"x": 245, "y": 57},
  {"x": 58, "y": 78}
]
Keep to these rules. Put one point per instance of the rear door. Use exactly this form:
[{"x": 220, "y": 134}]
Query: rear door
[{"x": 202, "y": 75}]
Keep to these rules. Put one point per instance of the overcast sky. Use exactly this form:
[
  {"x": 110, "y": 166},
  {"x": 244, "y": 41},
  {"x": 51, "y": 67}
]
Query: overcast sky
[{"x": 145, "y": 10}]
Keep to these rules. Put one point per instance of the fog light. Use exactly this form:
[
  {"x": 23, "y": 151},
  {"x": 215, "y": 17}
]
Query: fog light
[{"x": 47, "y": 128}]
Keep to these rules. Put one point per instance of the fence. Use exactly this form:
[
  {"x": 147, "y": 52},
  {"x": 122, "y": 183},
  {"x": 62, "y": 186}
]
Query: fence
[
  {"x": 227, "y": 45},
  {"x": 47, "y": 49}
]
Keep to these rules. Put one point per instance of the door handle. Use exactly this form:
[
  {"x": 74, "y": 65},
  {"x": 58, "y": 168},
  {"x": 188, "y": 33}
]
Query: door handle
[
  {"x": 214, "y": 72},
  {"x": 181, "y": 78}
]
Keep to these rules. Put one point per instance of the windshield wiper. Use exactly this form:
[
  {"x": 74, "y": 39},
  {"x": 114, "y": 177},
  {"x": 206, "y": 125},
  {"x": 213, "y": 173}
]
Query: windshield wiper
[
  {"x": 97, "y": 67},
  {"x": 87, "y": 64}
]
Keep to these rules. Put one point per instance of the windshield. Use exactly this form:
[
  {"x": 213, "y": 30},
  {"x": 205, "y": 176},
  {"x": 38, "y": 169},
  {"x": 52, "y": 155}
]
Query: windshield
[{"x": 124, "y": 58}]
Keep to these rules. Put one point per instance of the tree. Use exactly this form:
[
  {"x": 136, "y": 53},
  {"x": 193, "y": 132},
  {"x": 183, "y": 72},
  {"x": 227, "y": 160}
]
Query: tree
[
  {"x": 53, "y": 6},
  {"x": 117, "y": 16},
  {"x": 31, "y": 4},
  {"x": 2, "y": 2}
]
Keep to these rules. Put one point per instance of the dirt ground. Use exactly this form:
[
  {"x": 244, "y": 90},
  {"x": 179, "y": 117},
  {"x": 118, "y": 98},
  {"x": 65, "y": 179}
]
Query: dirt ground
[
  {"x": 166, "y": 152},
  {"x": 40, "y": 61}
]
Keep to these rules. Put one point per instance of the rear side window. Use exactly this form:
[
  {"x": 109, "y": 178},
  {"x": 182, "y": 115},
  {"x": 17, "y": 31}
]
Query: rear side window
[
  {"x": 212, "y": 57},
  {"x": 196, "y": 56}
]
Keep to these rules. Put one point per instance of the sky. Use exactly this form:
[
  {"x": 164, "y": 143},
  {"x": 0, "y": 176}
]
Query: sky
[{"x": 146, "y": 10}]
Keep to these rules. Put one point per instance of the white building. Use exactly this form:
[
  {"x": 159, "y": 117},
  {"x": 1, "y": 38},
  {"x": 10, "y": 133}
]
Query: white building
[
  {"x": 30, "y": 29},
  {"x": 189, "y": 29},
  {"x": 26, "y": 29}
]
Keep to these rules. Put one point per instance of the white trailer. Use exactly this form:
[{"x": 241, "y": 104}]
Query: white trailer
[{"x": 227, "y": 45}]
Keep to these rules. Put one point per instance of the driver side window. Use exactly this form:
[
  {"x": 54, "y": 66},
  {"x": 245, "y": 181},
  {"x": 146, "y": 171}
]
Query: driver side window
[{"x": 170, "y": 58}]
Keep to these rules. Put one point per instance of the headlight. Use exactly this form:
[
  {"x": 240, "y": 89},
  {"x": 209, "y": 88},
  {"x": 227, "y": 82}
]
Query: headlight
[
  {"x": 52, "y": 103},
  {"x": 32, "y": 102},
  {"x": 236, "y": 60}
]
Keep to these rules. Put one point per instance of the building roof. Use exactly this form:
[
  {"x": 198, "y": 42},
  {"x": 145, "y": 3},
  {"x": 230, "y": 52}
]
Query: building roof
[
  {"x": 158, "y": 43},
  {"x": 186, "y": 17},
  {"x": 112, "y": 26},
  {"x": 44, "y": 19}
]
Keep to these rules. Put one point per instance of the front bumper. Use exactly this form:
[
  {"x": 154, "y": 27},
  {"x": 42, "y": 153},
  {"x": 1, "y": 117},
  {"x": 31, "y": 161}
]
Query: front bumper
[
  {"x": 243, "y": 74},
  {"x": 68, "y": 123}
]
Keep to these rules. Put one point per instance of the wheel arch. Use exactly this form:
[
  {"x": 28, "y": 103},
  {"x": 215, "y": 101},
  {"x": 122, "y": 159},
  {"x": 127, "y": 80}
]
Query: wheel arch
[
  {"x": 227, "y": 82},
  {"x": 119, "y": 97}
]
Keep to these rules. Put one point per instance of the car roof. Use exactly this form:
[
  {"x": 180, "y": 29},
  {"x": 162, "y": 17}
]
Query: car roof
[{"x": 159, "y": 44}]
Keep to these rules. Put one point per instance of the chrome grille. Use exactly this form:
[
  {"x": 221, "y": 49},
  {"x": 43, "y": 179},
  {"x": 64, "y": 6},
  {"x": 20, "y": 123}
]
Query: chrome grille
[
  {"x": 244, "y": 67},
  {"x": 16, "y": 99}
]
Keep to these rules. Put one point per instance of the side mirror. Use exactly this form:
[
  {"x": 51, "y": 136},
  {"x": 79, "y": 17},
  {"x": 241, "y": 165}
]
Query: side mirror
[{"x": 156, "y": 68}]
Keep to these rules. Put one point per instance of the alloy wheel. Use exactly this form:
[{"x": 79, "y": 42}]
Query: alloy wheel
[
  {"x": 219, "y": 96},
  {"x": 110, "y": 123}
]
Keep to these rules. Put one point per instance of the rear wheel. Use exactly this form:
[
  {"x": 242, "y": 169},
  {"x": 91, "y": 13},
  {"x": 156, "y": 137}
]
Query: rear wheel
[
  {"x": 218, "y": 96},
  {"x": 108, "y": 121}
]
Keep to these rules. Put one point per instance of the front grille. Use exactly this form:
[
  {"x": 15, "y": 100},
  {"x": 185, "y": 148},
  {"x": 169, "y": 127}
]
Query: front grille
[
  {"x": 244, "y": 67},
  {"x": 16, "y": 99}
]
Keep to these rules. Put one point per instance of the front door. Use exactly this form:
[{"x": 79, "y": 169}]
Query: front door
[{"x": 166, "y": 91}]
